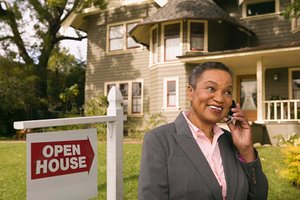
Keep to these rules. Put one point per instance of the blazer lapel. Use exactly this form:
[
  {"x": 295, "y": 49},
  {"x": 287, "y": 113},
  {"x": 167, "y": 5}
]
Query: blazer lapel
[
  {"x": 187, "y": 142},
  {"x": 229, "y": 166}
]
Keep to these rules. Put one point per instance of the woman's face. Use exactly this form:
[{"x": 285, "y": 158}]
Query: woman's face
[{"x": 212, "y": 97}]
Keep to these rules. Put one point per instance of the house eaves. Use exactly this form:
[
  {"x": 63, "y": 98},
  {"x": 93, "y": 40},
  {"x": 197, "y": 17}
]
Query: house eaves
[
  {"x": 184, "y": 9},
  {"x": 78, "y": 20},
  {"x": 273, "y": 55}
]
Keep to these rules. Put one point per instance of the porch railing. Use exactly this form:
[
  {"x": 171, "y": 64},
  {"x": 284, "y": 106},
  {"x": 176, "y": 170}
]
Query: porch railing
[{"x": 282, "y": 110}]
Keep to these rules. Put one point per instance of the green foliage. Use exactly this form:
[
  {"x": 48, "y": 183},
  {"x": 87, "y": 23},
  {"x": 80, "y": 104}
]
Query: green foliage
[
  {"x": 89, "y": 3},
  {"x": 66, "y": 79},
  {"x": 17, "y": 94},
  {"x": 292, "y": 172},
  {"x": 97, "y": 106},
  {"x": 292, "y": 10},
  {"x": 69, "y": 95},
  {"x": 290, "y": 140},
  {"x": 133, "y": 127},
  {"x": 13, "y": 171},
  {"x": 32, "y": 89},
  {"x": 292, "y": 158},
  {"x": 154, "y": 120},
  {"x": 272, "y": 159}
]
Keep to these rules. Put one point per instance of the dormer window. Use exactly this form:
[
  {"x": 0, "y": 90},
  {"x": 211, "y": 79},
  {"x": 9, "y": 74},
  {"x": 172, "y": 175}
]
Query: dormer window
[
  {"x": 259, "y": 8},
  {"x": 196, "y": 36},
  {"x": 172, "y": 41}
]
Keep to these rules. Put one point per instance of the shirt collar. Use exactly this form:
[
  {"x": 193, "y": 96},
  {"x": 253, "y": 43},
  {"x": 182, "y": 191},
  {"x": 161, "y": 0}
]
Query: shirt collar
[{"x": 195, "y": 130}]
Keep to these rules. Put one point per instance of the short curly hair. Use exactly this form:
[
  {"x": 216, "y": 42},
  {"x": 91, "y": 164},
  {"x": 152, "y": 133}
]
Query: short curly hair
[{"x": 198, "y": 71}]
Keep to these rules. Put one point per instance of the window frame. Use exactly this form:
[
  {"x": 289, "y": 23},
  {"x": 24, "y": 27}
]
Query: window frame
[
  {"x": 130, "y": 96},
  {"x": 205, "y": 39},
  {"x": 125, "y": 37},
  {"x": 153, "y": 58},
  {"x": 165, "y": 93},
  {"x": 247, "y": 2},
  {"x": 163, "y": 49}
]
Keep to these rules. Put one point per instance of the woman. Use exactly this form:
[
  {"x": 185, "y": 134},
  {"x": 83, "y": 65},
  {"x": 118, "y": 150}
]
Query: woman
[{"x": 193, "y": 158}]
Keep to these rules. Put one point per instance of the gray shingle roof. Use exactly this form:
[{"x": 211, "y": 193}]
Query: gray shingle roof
[
  {"x": 184, "y": 9},
  {"x": 181, "y": 9}
]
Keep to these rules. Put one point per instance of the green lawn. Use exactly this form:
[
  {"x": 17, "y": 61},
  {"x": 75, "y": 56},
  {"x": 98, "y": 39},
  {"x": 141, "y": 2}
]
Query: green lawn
[{"x": 13, "y": 172}]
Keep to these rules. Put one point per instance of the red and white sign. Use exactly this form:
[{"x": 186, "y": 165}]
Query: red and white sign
[
  {"x": 62, "y": 165},
  {"x": 60, "y": 157}
]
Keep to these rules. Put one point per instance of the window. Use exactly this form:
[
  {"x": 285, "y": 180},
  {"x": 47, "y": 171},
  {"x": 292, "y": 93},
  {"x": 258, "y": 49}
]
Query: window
[
  {"x": 171, "y": 93},
  {"x": 154, "y": 46},
  {"x": 136, "y": 97},
  {"x": 132, "y": 95},
  {"x": 260, "y": 8},
  {"x": 196, "y": 36},
  {"x": 172, "y": 42},
  {"x": 115, "y": 38},
  {"x": 124, "y": 91},
  {"x": 119, "y": 38}
]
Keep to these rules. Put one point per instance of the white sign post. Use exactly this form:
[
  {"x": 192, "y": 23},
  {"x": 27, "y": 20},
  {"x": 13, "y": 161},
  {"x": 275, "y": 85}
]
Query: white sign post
[
  {"x": 62, "y": 165},
  {"x": 57, "y": 159}
]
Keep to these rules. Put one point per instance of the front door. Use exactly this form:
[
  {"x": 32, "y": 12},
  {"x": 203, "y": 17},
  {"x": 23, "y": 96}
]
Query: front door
[{"x": 246, "y": 95}]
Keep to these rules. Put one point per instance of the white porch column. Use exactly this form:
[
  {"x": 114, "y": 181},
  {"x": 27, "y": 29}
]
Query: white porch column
[{"x": 260, "y": 90}]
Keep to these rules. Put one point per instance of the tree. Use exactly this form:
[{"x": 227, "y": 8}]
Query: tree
[
  {"x": 30, "y": 32},
  {"x": 66, "y": 77},
  {"x": 16, "y": 94}
]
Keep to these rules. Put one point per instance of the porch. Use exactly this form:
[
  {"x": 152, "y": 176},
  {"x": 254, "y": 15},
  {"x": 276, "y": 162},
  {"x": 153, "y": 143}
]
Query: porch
[
  {"x": 282, "y": 111},
  {"x": 280, "y": 118}
]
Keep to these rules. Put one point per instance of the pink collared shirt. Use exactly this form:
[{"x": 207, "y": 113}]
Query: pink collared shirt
[{"x": 211, "y": 151}]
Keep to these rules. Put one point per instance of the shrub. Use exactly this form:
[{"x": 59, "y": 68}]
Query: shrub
[
  {"x": 96, "y": 107},
  {"x": 291, "y": 151},
  {"x": 154, "y": 120}
]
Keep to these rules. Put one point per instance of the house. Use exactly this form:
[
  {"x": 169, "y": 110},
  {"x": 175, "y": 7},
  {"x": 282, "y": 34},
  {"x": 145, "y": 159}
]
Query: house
[{"x": 148, "y": 48}]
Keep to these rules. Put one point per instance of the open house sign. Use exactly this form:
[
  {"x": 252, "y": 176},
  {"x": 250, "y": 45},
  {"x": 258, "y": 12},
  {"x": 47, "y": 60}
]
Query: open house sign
[{"x": 62, "y": 165}]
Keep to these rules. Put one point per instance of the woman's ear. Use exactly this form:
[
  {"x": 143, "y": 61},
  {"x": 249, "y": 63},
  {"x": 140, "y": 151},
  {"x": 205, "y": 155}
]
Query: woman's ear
[{"x": 190, "y": 92}]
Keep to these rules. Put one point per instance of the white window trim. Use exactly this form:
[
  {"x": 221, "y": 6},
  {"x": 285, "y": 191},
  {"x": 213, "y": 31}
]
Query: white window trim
[
  {"x": 151, "y": 46},
  {"x": 162, "y": 42},
  {"x": 117, "y": 83},
  {"x": 244, "y": 9},
  {"x": 165, "y": 103},
  {"x": 205, "y": 34},
  {"x": 124, "y": 49}
]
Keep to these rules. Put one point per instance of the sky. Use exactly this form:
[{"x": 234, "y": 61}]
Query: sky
[{"x": 77, "y": 48}]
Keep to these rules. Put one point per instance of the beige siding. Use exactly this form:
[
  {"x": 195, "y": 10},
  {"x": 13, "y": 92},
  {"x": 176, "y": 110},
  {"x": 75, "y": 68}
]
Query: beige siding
[
  {"x": 103, "y": 66},
  {"x": 157, "y": 83}
]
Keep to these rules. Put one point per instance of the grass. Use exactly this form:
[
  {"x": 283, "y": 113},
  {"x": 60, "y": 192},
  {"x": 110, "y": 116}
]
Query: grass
[
  {"x": 13, "y": 172},
  {"x": 273, "y": 163}
]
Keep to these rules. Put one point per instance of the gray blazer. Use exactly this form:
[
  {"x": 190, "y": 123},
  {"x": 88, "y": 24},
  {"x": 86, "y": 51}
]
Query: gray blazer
[{"x": 173, "y": 167}]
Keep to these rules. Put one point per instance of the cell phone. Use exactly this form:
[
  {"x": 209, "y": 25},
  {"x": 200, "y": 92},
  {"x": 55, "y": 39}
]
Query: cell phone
[{"x": 230, "y": 113}]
